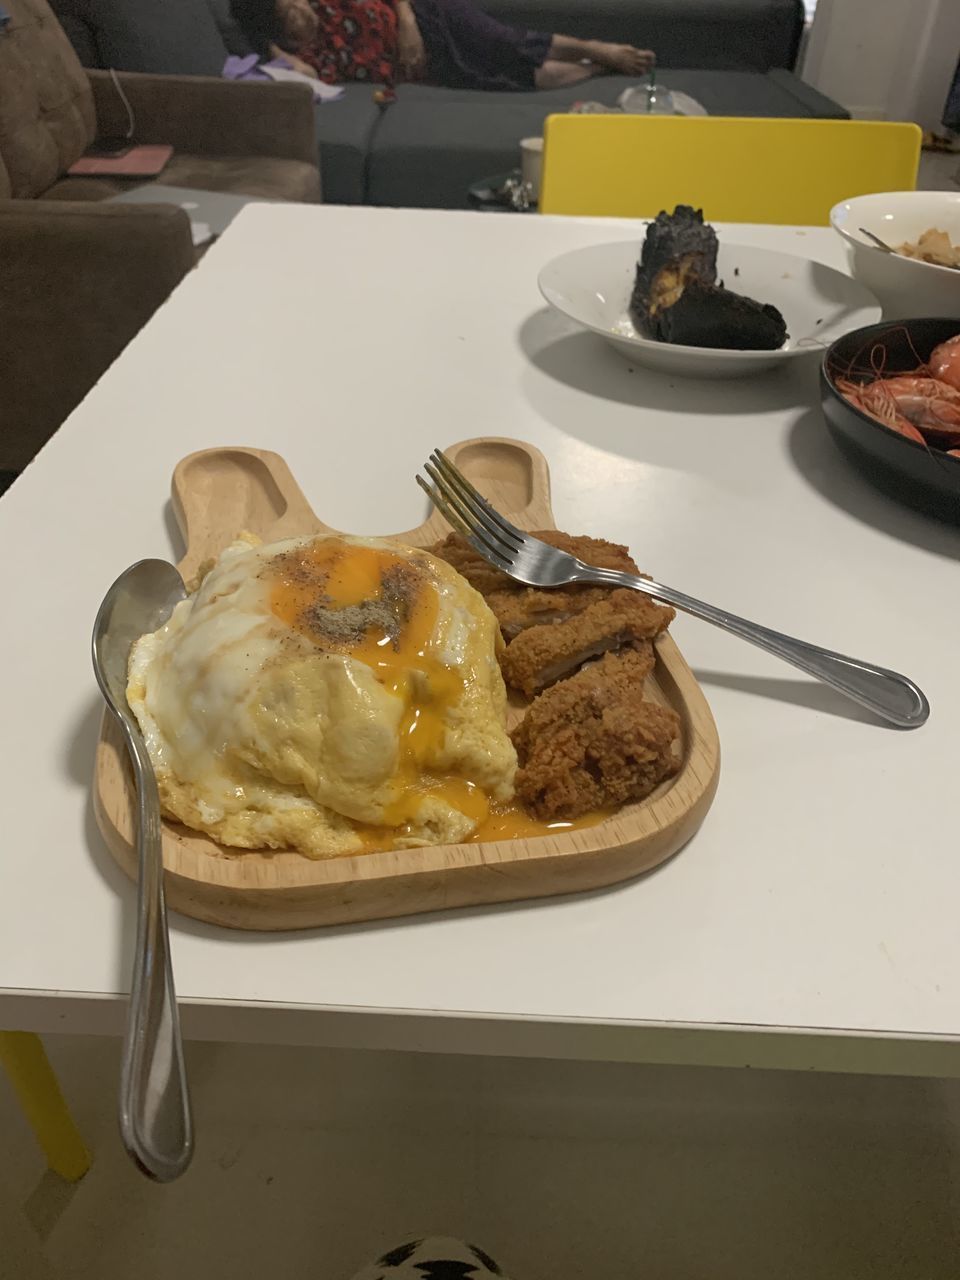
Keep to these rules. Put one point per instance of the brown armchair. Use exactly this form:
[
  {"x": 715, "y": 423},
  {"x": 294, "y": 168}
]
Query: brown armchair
[
  {"x": 254, "y": 139},
  {"x": 77, "y": 281},
  {"x": 79, "y": 278}
]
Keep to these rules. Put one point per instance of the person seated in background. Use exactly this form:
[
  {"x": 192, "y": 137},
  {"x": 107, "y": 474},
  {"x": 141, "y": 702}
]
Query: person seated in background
[{"x": 451, "y": 43}]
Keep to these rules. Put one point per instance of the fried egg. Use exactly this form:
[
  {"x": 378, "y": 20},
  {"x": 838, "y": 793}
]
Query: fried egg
[{"x": 329, "y": 695}]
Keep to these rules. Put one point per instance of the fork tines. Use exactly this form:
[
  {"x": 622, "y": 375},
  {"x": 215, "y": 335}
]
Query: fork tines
[{"x": 469, "y": 513}]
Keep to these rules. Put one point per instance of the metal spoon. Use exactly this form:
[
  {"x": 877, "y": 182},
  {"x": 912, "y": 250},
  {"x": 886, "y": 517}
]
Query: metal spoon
[
  {"x": 155, "y": 1122},
  {"x": 881, "y": 244}
]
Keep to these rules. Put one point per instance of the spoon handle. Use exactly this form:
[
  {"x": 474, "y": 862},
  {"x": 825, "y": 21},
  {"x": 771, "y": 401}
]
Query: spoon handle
[
  {"x": 881, "y": 244},
  {"x": 155, "y": 1121}
]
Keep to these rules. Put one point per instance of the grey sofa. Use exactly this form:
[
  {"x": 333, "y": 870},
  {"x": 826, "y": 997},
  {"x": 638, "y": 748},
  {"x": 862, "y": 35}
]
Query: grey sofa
[
  {"x": 735, "y": 56},
  {"x": 727, "y": 35}
]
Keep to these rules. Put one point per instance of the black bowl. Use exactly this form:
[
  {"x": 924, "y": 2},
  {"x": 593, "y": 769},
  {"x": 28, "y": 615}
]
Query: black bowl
[{"x": 919, "y": 476}]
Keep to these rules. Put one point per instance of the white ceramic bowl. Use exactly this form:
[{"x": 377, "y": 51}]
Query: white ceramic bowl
[
  {"x": 592, "y": 286},
  {"x": 905, "y": 287}
]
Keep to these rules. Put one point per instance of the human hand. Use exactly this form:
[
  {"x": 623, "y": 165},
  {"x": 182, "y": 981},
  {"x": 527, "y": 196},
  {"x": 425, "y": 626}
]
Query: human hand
[
  {"x": 296, "y": 64},
  {"x": 304, "y": 68},
  {"x": 298, "y": 20}
]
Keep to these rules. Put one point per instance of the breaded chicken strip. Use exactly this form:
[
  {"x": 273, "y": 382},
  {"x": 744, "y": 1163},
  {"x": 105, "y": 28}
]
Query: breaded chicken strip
[
  {"x": 471, "y": 565},
  {"x": 517, "y": 607},
  {"x": 593, "y": 742},
  {"x": 529, "y": 607},
  {"x": 542, "y": 655}
]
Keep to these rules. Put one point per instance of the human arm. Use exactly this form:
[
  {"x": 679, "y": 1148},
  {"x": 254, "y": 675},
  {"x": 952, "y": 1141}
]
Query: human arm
[
  {"x": 621, "y": 58},
  {"x": 411, "y": 51},
  {"x": 296, "y": 63}
]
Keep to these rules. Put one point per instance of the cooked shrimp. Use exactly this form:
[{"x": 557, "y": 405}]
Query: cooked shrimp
[
  {"x": 945, "y": 362},
  {"x": 886, "y": 414},
  {"x": 930, "y": 406}
]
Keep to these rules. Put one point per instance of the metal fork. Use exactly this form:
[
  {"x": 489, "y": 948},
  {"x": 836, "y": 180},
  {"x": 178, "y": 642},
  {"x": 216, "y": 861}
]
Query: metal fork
[{"x": 526, "y": 559}]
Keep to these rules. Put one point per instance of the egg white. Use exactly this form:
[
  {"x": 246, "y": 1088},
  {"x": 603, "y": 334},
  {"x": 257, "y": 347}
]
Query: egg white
[{"x": 263, "y": 739}]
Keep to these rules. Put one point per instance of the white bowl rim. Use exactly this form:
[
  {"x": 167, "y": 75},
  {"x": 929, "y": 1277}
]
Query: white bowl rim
[
  {"x": 722, "y": 353},
  {"x": 952, "y": 272}
]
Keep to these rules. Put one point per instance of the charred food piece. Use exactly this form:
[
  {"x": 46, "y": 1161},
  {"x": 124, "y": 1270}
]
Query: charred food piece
[
  {"x": 676, "y": 297},
  {"x": 679, "y": 248},
  {"x": 711, "y": 317}
]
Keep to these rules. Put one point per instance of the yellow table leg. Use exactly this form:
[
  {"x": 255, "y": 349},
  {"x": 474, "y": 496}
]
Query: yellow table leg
[{"x": 25, "y": 1060}]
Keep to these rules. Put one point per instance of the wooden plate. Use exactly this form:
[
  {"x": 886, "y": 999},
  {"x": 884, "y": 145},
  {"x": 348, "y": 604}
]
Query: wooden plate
[{"x": 219, "y": 492}]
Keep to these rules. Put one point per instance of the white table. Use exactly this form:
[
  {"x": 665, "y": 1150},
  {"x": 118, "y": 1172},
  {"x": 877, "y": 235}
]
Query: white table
[{"x": 813, "y": 922}]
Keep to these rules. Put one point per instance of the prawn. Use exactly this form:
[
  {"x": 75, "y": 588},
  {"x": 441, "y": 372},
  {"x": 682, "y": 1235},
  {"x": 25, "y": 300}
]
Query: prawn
[
  {"x": 927, "y": 405},
  {"x": 945, "y": 362},
  {"x": 886, "y": 414}
]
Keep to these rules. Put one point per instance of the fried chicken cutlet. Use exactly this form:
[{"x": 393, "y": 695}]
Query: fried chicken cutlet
[
  {"x": 516, "y": 606},
  {"x": 623, "y": 619},
  {"x": 593, "y": 741}
]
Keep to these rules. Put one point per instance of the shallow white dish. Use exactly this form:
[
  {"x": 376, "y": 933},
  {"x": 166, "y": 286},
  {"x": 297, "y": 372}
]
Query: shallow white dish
[
  {"x": 906, "y": 287},
  {"x": 592, "y": 286}
]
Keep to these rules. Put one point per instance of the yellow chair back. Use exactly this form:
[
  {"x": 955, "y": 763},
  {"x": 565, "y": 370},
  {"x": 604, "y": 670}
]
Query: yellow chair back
[{"x": 736, "y": 170}]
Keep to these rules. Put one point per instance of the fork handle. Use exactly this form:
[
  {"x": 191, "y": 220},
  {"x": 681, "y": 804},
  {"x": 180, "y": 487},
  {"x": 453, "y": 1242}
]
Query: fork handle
[{"x": 886, "y": 693}]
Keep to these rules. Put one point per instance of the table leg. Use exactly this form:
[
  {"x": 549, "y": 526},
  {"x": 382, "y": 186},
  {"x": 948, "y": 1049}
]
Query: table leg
[{"x": 25, "y": 1061}]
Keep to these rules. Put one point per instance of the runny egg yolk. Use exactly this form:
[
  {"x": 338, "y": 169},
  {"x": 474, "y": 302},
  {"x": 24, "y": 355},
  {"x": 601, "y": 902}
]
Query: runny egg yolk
[
  {"x": 378, "y": 608},
  {"x": 501, "y": 822},
  {"x": 511, "y": 822}
]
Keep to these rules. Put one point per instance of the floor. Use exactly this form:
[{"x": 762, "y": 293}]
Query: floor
[
  {"x": 939, "y": 171},
  {"x": 310, "y": 1162}
]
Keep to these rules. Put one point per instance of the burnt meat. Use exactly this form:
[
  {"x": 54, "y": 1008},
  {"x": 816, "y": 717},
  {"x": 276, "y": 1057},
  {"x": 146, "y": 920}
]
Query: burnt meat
[
  {"x": 676, "y": 297},
  {"x": 712, "y": 317},
  {"x": 679, "y": 248}
]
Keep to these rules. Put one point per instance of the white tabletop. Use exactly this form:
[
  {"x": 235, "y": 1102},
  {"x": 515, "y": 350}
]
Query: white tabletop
[{"x": 821, "y": 895}]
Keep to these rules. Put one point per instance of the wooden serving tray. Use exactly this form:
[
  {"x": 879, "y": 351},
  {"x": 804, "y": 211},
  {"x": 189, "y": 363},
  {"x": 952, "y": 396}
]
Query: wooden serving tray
[{"x": 217, "y": 493}]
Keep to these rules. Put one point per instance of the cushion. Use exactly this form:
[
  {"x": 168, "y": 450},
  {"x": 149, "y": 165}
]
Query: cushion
[
  {"x": 345, "y": 130},
  {"x": 46, "y": 105},
  {"x": 178, "y": 37},
  {"x": 231, "y": 35},
  {"x": 263, "y": 176},
  {"x": 752, "y": 35},
  {"x": 434, "y": 143},
  {"x": 73, "y": 17}
]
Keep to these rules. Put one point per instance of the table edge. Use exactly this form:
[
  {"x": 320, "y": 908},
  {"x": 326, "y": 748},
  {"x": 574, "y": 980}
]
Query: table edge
[{"x": 844, "y": 1051}]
